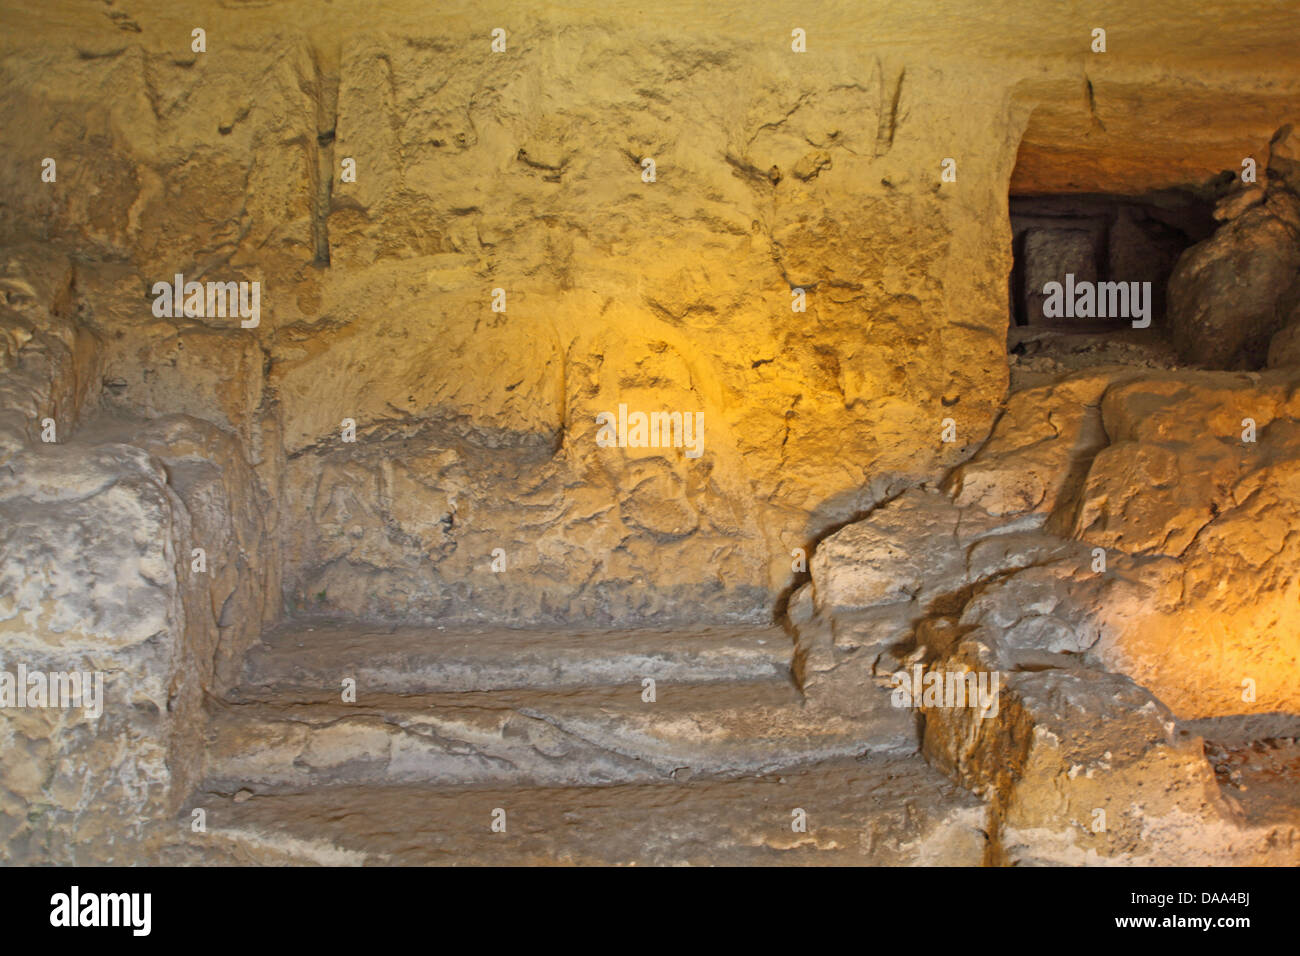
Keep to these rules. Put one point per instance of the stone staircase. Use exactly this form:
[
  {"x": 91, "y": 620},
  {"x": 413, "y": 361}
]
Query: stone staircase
[{"x": 555, "y": 728}]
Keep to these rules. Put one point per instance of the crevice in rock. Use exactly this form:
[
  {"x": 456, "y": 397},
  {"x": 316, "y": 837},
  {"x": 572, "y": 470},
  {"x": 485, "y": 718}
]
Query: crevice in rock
[
  {"x": 1092, "y": 103},
  {"x": 887, "y": 124},
  {"x": 325, "y": 66}
]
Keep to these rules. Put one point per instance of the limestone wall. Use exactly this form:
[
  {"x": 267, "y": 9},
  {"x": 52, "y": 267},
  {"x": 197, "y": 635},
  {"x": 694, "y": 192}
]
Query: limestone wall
[
  {"x": 522, "y": 171},
  {"x": 100, "y": 516},
  {"x": 817, "y": 267}
]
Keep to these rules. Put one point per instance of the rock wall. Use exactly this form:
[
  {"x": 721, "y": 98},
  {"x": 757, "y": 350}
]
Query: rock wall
[
  {"x": 1113, "y": 563},
  {"x": 522, "y": 171},
  {"x": 472, "y": 264},
  {"x": 101, "y": 586}
]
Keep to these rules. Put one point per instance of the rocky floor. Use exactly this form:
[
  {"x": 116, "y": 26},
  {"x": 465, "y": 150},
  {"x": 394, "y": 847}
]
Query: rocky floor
[
  {"x": 279, "y": 735},
  {"x": 477, "y": 746},
  {"x": 354, "y": 743},
  {"x": 1041, "y": 355},
  {"x": 879, "y": 810},
  {"x": 726, "y": 764},
  {"x": 1256, "y": 761}
]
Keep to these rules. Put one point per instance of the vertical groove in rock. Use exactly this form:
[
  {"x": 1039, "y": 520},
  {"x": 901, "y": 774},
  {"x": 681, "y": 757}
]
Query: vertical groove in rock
[
  {"x": 325, "y": 63},
  {"x": 888, "y": 122}
]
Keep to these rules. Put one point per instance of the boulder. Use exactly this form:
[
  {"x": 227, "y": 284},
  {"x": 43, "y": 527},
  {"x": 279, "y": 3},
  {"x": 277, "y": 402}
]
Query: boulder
[{"x": 1230, "y": 294}]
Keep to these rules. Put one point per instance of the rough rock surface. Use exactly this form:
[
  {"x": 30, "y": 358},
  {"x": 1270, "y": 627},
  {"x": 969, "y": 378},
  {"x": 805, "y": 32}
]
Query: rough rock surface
[
  {"x": 1049, "y": 254},
  {"x": 1114, "y": 556},
  {"x": 474, "y": 707},
  {"x": 1230, "y": 294},
  {"x": 775, "y": 170},
  {"x": 893, "y": 811},
  {"x": 97, "y": 538},
  {"x": 98, "y": 519},
  {"x": 503, "y": 270}
]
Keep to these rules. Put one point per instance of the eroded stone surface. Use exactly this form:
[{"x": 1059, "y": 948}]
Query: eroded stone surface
[
  {"x": 594, "y": 736},
  {"x": 817, "y": 171},
  {"x": 1230, "y": 294},
  {"x": 97, "y": 529},
  {"x": 888, "y": 810},
  {"x": 1145, "y": 593},
  {"x": 301, "y": 656},
  {"x": 1112, "y": 545}
]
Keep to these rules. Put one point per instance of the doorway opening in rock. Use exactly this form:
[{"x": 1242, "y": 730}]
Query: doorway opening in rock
[{"x": 1086, "y": 267}]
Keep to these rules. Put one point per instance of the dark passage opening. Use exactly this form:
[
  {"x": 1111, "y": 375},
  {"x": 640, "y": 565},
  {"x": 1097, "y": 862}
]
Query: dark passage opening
[{"x": 1098, "y": 239}]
